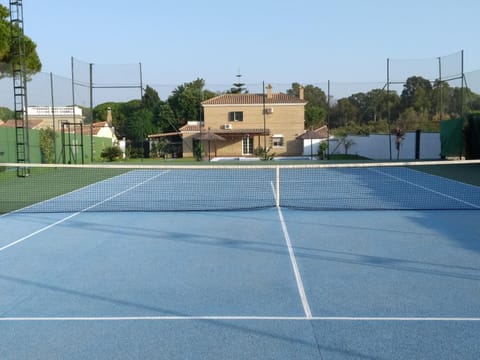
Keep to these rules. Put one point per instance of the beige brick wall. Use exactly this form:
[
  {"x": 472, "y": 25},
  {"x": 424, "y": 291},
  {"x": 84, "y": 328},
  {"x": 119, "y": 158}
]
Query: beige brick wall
[{"x": 286, "y": 120}]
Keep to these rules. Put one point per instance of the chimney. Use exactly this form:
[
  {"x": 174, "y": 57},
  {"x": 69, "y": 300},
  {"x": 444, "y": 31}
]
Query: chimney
[
  {"x": 269, "y": 91},
  {"x": 301, "y": 93},
  {"x": 109, "y": 116}
]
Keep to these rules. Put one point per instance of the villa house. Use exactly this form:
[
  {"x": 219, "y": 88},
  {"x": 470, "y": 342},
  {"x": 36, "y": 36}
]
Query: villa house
[{"x": 248, "y": 121}]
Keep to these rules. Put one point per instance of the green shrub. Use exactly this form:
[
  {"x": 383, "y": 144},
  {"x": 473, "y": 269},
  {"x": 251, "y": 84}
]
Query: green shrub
[
  {"x": 322, "y": 150},
  {"x": 198, "y": 150},
  {"x": 111, "y": 153},
  {"x": 47, "y": 147},
  {"x": 264, "y": 153}
]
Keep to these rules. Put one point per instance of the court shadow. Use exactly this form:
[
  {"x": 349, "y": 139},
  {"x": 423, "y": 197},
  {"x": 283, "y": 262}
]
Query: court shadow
[{"x": 460, "y": 226}]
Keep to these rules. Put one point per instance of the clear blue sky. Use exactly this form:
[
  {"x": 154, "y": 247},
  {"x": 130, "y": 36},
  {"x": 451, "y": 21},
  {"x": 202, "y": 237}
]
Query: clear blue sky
[{"x": 276, "y": 41}]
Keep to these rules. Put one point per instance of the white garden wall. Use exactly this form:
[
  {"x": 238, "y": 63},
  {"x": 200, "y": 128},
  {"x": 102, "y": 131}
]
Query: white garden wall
[{"x": 377, "y": 147}]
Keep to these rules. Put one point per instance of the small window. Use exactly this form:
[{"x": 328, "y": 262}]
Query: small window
[
  {"x": 235, "y": 116},
  {"x": 277, "y": 141}
]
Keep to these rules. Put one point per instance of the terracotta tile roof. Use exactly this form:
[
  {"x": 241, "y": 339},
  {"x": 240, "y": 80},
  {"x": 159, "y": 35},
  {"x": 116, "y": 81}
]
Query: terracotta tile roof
[
  {"x": 32, "y": 124},
  {"x": 253, "y": 99},
  {"x": 196, "y": 129},
  {"x": 319, "y": 133},
  {"x": 323, "y": 131},
  {"x": 96, "y": 127}
]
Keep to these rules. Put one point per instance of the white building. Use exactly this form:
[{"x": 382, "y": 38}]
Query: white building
[{"x": 54, "y": 117}]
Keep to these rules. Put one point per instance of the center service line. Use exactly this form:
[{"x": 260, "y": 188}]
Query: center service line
[
  {"x": 291, "y": 252},
  {"x": 296, "y": 271}
]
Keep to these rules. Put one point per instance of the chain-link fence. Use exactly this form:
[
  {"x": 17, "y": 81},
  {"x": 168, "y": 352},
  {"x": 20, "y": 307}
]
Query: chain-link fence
[{"x": 369, "y": 107}]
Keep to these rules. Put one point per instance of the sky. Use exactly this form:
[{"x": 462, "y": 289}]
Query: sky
[{"x": 275, "y": 41}]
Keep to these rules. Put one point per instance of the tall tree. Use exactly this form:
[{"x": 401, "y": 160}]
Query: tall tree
[
  {"x": 316, "y": 108},
  {"x": 126, "y": 119},
  {"x": 441, "y": 95},
  {"x": 343, "y": 113},
  {"x": 238, "y": 86},
  {"x": 186, "y": 101},
  {"x": 417, "y": 94},
  {"x": 32, "y": 61},
  {"x": 471, "y": 100},
  {"x": 165, "y": 119},
  {"x": 373, "y": 105},
  {"x": 313, "y": 94},
  {"x": 364, "y": 105},
  {"x": 151, "y": 99}
]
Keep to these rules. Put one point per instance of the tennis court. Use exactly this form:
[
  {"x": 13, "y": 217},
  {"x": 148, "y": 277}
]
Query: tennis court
[{"x": 361, "y": 262}]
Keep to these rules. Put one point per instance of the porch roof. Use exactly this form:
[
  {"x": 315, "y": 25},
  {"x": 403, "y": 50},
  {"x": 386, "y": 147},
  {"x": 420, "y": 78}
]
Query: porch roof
[
  {"x": 222, "y": 132},
  {"x": 163, "y": 135}
]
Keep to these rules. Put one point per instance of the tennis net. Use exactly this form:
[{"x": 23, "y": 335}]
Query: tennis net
[{"x": 352, "y": 186}]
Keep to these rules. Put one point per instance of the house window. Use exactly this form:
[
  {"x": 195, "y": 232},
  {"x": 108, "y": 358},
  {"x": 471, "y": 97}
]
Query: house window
[
  {"x": 247, "y": 145},
  {"x": 278, "y": 141},
  {"x": 235, "y": 116}
]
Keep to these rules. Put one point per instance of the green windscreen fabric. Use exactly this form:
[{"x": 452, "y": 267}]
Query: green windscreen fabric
[
  {"x": 451, "y": 137},
  {"x": 472, "y": 137}
]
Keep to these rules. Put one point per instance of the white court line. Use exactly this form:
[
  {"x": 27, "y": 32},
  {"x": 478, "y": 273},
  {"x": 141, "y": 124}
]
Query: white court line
[
  {"x": 79, "y": 212},
  {"x": 293, "y": 261},
  {"x": 62, "y": 195},
  {"x": 426, "y": 188},
  {"x": 243, "y": 318},
  {"x": 38, "y": 231},
  {"x": 296, "y": 271}
]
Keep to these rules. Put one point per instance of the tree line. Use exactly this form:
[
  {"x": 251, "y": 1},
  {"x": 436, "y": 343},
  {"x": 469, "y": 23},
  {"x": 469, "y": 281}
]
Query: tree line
[
  {"x": 420, "y": 105},
  {"x": 136, "y": 119}
]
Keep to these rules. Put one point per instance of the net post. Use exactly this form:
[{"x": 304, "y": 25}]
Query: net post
[{"x": 277, "y": 186}]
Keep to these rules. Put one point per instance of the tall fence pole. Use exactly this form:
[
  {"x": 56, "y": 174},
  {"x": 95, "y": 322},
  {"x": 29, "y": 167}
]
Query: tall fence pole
[
  {"x": 91, "y": 112},
  {"x": 462, "y": 109},
  {"x": 328, "y": 120},
  {"x": 388, "y": 110},
  {"x": 53, "y": 119}
]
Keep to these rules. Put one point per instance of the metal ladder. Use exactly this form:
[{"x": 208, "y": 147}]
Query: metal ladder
[{"x": 19, "y": 86}]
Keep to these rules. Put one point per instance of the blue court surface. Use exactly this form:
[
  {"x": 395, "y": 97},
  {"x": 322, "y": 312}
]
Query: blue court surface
[{"x": 273, "y": 283}]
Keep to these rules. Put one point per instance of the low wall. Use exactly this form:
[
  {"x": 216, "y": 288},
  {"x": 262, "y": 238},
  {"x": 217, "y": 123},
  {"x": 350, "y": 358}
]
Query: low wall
[{"x": 381, "y": 146}]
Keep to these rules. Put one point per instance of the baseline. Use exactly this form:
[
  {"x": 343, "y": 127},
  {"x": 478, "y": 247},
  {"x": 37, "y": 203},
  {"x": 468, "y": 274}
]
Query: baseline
[{"x": 243, "y": 318}]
